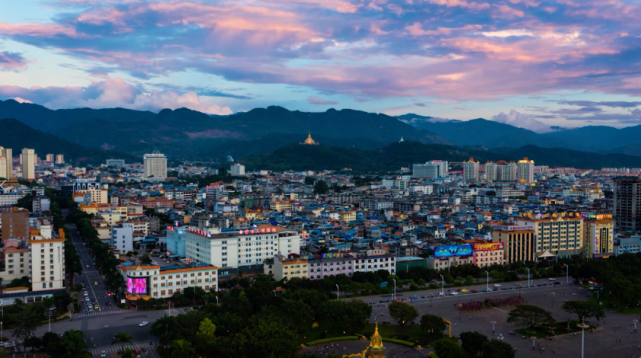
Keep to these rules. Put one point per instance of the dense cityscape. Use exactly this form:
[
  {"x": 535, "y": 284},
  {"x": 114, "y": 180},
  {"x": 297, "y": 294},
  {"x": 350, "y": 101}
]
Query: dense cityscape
[
  {"x": 320, "y": 178},
  {"x": 153, "y": 258}
]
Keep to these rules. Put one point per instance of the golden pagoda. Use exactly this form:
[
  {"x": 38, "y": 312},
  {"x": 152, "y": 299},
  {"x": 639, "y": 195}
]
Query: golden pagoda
[
  {"x": 375, "y": 347},
  {"x": 309, "y": 140}
]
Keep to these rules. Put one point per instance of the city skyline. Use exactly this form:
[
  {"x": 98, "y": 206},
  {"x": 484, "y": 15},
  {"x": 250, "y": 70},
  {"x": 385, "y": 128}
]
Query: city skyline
[{"x": 523, "y": 62}]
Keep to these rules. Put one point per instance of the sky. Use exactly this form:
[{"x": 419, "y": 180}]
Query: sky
[{"x": 540, "y": 65}]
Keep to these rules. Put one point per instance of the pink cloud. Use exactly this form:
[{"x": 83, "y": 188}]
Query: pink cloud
[
  {"x": 12, "y": 61},
  {"x": 320, "y": 101}
]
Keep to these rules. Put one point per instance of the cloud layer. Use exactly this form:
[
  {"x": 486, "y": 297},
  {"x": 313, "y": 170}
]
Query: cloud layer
[
  {"x": 462, "y": 49},
  {"x": 112, "y": 92}
]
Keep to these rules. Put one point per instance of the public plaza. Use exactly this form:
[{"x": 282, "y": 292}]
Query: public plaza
[{"x": 603, "y": 342}]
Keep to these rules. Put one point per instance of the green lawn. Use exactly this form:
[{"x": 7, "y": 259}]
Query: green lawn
[
  {"x": 560, "y": 328},
  {"x": 609, "y": 304}
]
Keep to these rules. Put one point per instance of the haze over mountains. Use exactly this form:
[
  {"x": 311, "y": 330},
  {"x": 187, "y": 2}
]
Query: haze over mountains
[{"x": 254, "y": 135}]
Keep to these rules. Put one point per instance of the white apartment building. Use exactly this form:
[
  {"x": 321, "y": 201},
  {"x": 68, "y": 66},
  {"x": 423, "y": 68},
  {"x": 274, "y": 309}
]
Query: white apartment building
[
  {"x": 122, "y": 237},
  {"x": 375, "y": 260},
  {"x": 28, "y": 164},
  {"x": 9, "y": 199},
  {"x": 162, "y": 282},
  {"x": 425, "y": 189},
  {"x": 239, "y": 248},
  {"x": 155, "y": 165},
  {"x": 237, "y": 169},
  {"x": 431, "y": 169},
  {"x": 47, "y": 258},
  {"x": 6, "y": 162},
  {"x": 471, "y": 171},
  {"x": 525, "y": 171}
]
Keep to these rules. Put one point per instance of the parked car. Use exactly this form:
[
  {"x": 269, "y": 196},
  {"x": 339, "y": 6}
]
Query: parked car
[{"x": 143, "y": 323}]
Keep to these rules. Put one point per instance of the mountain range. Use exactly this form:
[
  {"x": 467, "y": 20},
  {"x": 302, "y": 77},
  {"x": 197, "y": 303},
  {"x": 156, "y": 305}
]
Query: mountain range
[
  {"x": 490, "y": 134},
  {"x": 17, "y": 135},
  {"x": 253, "y": 135}
]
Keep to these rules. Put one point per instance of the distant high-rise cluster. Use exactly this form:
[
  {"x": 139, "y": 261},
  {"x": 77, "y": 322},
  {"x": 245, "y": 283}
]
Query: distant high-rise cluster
[
  {"x": 502, "y": 171},
  {"x": 471, "y": 171},
  {"x": 6, "y": 163},
  {"x": 155, "y": 165},
  {"x": 28, "y": 164}
]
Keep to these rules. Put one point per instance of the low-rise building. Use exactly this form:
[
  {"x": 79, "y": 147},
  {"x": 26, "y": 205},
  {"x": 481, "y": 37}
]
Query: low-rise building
[
  {"x": 330, "y": 264},
  {"x": 289, "y": 268},
  {"x": 162, "y": 282}
]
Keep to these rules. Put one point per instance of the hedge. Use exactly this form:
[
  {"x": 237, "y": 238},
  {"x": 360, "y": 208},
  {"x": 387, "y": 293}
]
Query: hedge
[
  {"x": 333, "y": 339},
  {"x": 399, "y": 341}
]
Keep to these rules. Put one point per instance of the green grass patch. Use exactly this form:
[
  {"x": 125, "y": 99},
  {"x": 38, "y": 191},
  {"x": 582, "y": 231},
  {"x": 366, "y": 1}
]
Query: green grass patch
[
  {"x": 399, "y": 341},
  {"x": 610, "y": 304},
  {"x": 333, "y": 339}
]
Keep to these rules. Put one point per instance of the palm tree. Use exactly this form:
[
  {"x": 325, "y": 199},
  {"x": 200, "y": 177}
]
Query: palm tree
[
  {"x": 74, "y": 343},
  {"x": 122, "y": 338}
]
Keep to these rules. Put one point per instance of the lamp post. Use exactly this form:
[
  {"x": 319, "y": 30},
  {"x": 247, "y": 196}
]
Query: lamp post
[
  {"x": 394, "y": 295},
  {"x": 216, "y": 299},
  {"x": 338, "y": 292},
  {"x": 487, "y": 283},
  {"x": 567, "y": 272},
  {"x": 583, "y": 326},
  {"x": 635, "y": 324},
  {"x": 533, "y": 340},
  {"x": 528, "y": 277},
  {"x": 493, "y": 323},
  {"x": 442, "y": 285}
]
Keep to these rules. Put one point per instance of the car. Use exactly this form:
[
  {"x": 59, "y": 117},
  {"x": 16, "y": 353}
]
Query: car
[
  {"x": 143, "y": 323},
  {"x": 90, "y": 309},
  {"x": 95, "y": 306},
  {"x": 93, "y": 299},
  {"x": 95, "y": 283},
  {"x": 557, "y": 283},
  {"x": 103, "y": 354},
  {"x": 86, "y": 293},
  {"x": 87, "y": 266},
  {"x": 453, "y": 293},
  {"x": 475, "y": 291}
]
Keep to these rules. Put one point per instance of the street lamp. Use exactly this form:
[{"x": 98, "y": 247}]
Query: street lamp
[
  {"x": 338, "y": 291},
  {"x": 528, "y": 277},
  {"x": 583, "y": 326},
  {"x": 394, "y": 295},
  {"x": 442, "y": 285},
  {"x": 487, "y": 283},
  {"x": 533, "y": 340},
  {"x": 216, "y": 299},
  {"x": 567, "y": 271},
  {"x": 635, "y": 324},
  {"x": 493, "y": 323}
]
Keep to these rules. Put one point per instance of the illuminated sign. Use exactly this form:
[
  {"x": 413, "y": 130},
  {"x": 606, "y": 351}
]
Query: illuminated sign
[
  {"x": 488, "y": 246},
  {"x": 170, "y": 228},
  {"x": 137, "y": 285},
  {"x": 513, "y": 228},
  {"x": 598, "y": 217},
  {"x": 332, "y": 256},
  {"x": 257, "y": 231},
  {"x": 453, "y": 250}
]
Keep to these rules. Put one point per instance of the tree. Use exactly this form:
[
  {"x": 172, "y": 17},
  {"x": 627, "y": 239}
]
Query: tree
[
  {"x": 584, "y": 309},
  {"x": 402, "y": 312},
  {"x": 469, "y": 280},
  {"x": 530, "y": 316},
  {"x": 207, "y": 330},
  {"x": 74, "y": 343},
  {"x": 28, "y": 320},
  {"x": 122, "y": 338},
  {"x": 181, "y": 348},
  {"x": 432, "y": 323},
  {"x": 448, "y": 348},
  {"x": 421, "y": 283},
  {"x": 321, "y": 187},
  {"x": 497, "y": 349},
  {"x": 146, "y": 260},
  {"x": 309, "y": 181},
  {"x": 472, "y": 343},
  {"x": 62, "y": 300}
]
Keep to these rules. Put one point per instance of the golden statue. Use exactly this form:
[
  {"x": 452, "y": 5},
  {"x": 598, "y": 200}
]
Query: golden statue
[{"x": 375, "y": 347}]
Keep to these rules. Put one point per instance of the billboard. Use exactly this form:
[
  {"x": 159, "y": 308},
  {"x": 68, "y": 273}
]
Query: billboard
[
  {"x": 488, "y": 246},
  {"x": 453, "y": 250},
  {"x": 137, "y": 285}
]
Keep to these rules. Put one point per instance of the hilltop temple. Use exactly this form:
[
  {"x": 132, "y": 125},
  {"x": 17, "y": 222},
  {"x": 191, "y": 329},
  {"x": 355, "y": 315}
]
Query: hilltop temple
[{"x": 309, "y": 141}]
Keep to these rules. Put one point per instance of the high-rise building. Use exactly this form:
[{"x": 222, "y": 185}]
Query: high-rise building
[
  {"x": 627, "y": 204},
  {"x": 42, "y": 243},
  {"x": 6, "y": 163},
  {"x": 155, "y": 165},
  {"x": 15, "y": 224},
  {"x": 557, "y": 234},
  {"x": 599, "y": 236},
  {"x": 471, "y": 171},
  {"x": 49, "y": 158},
  {"x": 525, "y": 171},
  {"x": 28, "y": 164},
  {"x": 490, "y": 172},
  {"x": 237, "y": 169},
  {"x": 431, "y": 169},
  {"x": 60, "y": 159}
]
